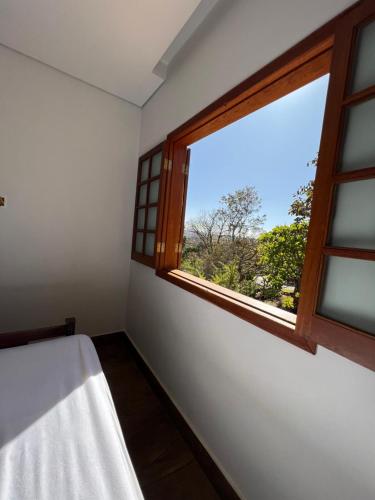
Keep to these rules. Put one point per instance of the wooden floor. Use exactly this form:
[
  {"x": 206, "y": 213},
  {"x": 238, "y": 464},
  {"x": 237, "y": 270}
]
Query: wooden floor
[{"x": 164, "y": 463}]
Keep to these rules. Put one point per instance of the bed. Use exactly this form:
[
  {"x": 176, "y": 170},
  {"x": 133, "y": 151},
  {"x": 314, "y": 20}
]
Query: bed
[{"x": 59, "y": 433}]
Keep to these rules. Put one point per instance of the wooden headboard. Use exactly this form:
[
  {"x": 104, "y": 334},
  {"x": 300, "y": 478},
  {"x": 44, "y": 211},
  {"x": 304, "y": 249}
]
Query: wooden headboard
[{"x": 13, "y": 339}]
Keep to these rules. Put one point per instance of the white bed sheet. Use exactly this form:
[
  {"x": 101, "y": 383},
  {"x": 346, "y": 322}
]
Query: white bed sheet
[{"x": 60, "y": 437}]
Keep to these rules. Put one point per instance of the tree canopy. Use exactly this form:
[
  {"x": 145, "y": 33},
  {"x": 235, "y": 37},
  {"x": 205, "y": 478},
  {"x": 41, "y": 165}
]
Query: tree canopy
[{"x": 281, "y": 256}]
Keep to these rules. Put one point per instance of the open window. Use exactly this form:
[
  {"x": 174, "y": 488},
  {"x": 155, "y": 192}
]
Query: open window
[
  {"x": 248, "y": 203},
  {"x": 217, "y": 255},
  {"x": 333, "y": 304}
]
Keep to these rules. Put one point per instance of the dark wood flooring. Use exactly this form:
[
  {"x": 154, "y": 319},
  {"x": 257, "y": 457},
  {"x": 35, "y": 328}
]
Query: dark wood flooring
[{"x": 165, "y": 465}]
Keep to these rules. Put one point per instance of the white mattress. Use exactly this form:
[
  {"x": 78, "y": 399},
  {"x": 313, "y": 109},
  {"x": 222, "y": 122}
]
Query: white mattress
[{"x": 60, "y": 437}]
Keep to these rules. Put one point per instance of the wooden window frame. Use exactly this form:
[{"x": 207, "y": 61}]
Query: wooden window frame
[
  {"x": 303, "y": 63},
  {"x": 307, "y": 61},
  {"x": 148, "y": 260}
]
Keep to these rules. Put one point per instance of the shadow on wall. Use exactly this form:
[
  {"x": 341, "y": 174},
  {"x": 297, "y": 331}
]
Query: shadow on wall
[{"x": 98, "y": 309}]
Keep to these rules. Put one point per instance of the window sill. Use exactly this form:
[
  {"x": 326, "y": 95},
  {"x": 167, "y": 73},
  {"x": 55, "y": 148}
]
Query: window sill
[{"x": 279, "y": 323}]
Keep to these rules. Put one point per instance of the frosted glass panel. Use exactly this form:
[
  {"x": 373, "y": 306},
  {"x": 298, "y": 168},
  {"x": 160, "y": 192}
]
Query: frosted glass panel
[
  {"x": 354, "y": 219},
  {"x": 364, "y": 69},
  {"x": 151, "y": 218},
  {"x": 139, "y": 243},
  {"x": 359, "y": 145},
  {"x": 141, "y": 218},
  {"x": 154, "y": 192},
  {"x": 348, "y": 293},
  {"x": 156, "y": 164},
  {"x": 150, "y": 243},
  {"x": 145, "y": 169},
  {"x": 142, "y": 195}
]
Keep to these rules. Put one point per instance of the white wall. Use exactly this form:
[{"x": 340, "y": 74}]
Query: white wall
[
  {"x": 283, "y": 424},
  {"x": 68, "y": 156}
]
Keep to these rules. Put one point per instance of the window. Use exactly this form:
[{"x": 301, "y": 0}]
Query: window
[
  {"x": 149, "y": 191},
  {"x": 249, "y": 199},
  {"x": 251, "y": 98},
  {"x": 336, "y": 306}
]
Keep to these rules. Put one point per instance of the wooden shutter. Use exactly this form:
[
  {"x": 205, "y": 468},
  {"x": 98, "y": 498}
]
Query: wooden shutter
[
  {"x": 337, "y": 307},
  {"x": 149, "y": 196}
]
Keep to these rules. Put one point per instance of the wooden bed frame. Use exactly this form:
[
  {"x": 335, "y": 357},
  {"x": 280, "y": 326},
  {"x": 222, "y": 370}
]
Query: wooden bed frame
[{"x": 14, "y": 339}]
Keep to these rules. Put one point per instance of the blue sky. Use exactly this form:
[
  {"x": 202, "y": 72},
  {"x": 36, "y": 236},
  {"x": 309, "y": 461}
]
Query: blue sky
[{"x": 269, "y": 149}]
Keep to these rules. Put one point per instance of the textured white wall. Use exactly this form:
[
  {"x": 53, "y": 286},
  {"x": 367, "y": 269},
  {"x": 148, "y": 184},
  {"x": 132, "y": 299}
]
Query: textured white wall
[
  {"x": 68, "y": 156},
  {"x": 283, "y": 424}
]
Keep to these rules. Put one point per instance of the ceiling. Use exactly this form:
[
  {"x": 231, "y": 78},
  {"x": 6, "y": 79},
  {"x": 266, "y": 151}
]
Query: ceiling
[{"x": 112, "y": 44}]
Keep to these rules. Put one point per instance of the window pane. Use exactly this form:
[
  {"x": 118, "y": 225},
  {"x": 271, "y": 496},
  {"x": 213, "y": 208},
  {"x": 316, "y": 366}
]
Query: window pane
[
  {"x": 154, "y": 192},
  {"x": 364, "y": 72},
  {"x": 354, "y": 219},
  {"x": 142, "y": 195},
  {"x": 248, "y": 200},
  {"x": 348, "y": 293},
  {"x": 151, "y": 218},
  {"x": 359, "y": 144},
  {"x": 141, "y": 218},
  {"x": 145, "y": 169},
  {"x": 150, "y": 244},
  {"x": 139, "y": 243},
  {"x": 156, "y": 164}
]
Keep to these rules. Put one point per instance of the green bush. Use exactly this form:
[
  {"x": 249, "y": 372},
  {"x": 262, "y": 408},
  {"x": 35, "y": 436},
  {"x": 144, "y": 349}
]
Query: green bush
[
  {"x": 227, "y": 275},
  {"x": 287, "y": 302},
  {"x": 193, "y": 265}
]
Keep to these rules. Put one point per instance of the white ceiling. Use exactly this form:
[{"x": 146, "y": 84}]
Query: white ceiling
[{"x": 112, "y": 44}]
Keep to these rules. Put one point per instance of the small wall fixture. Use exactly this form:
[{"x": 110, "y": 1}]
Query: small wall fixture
[{"x": 2, "y": 201}]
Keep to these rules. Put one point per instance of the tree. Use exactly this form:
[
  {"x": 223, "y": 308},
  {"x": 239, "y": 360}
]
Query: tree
[
  {"x": 237, "y": 216},
  {"x": 240, "y": 213},
  {"x": 281, "y": 257},
  {"x": 225, "y": 235}
]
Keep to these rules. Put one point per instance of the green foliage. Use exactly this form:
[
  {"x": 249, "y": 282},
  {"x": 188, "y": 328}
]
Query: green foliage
[
  {"x": 248, "y": 287},
  {"x": 301, "y": 205},
  {"x": 227, "y": 275},
  {"x": 287, "y": 303},
  {"x": 281, "y": 255},
  {"x": 193, "y": 265},
  {"x": 302, "y": 199},
  {"x": 267, "y": 288}
]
